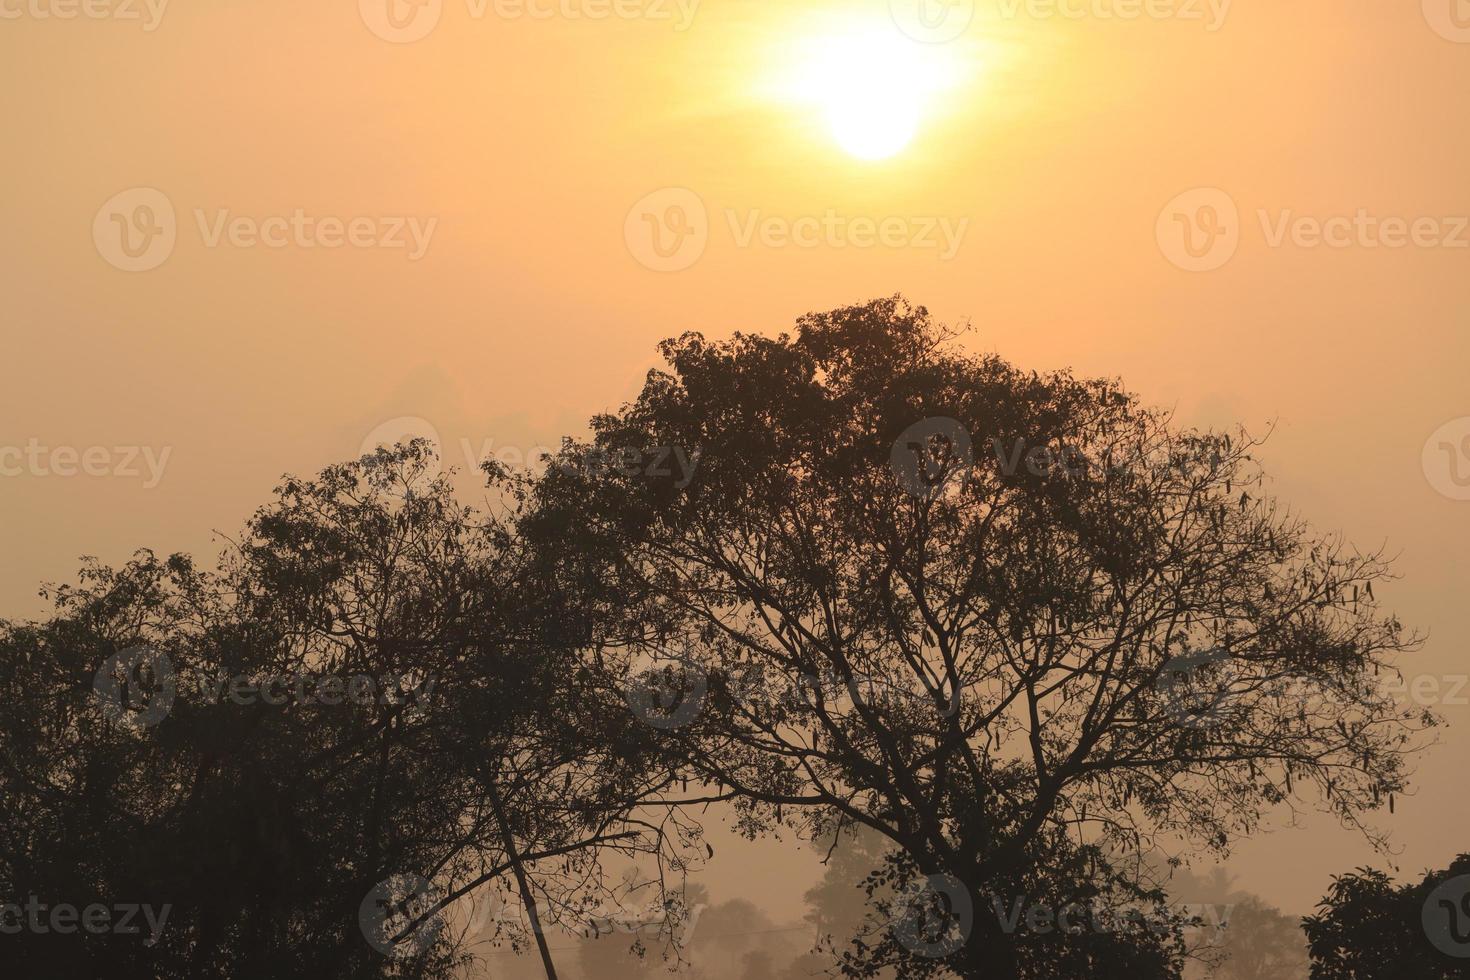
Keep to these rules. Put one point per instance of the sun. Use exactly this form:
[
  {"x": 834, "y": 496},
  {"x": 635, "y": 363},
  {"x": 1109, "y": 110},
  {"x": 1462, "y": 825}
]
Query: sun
[{"x": 872, "y": 87}]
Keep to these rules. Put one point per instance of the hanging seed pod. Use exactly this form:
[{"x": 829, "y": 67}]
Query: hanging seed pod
[
  {"x": 1288, "y": 779},
  {"x": 1390, "y": 802}
]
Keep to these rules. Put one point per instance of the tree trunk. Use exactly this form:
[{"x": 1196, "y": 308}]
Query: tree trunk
[
  {"x": 990, "y": 953},
  {"x": 522, "y": 882}
]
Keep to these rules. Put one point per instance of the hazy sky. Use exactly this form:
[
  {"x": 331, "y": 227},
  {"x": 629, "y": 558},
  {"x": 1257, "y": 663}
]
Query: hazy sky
[{"x": 461, "y": 229}]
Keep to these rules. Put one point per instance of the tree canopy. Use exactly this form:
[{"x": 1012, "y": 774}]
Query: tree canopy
[
  {"x": 1009, "y": 621},
  {"x": 1013, "y": 630},
  {"x": 1368, "y": 928}
]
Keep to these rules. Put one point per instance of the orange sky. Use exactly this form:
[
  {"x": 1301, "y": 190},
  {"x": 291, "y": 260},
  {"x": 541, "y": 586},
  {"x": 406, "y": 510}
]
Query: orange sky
[{"x": 519, "y": 145}]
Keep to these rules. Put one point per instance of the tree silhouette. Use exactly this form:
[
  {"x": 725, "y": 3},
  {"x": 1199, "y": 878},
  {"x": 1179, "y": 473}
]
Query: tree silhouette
[
  {"x": 1239, "y": 936},
  {"x": 268, "y": 827},
  {"x": 1006, "y": 631},
  {"x": 1262, "y": 943},
  {"x": 1369, "y": 929},
  {"x": 1009, "y": 621}
]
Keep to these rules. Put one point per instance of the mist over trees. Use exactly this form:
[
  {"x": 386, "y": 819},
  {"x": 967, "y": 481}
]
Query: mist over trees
[{"x": 988, "y": 639}]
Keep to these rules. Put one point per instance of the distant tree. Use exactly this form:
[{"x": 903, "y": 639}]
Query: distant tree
[
  {"x": 1261, "y": 943},
  {"x": 1367, "y": 928},
  {"x": 268, "y": 827},
  {"x": 758, "y": 964},
  {"x": 1238, "y": 935},
  {"x": 837, "y": 905},
  {"x": 1011, "y": 622}
]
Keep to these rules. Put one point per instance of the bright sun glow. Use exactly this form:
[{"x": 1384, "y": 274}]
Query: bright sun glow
[{"x": 873, "y": 87}]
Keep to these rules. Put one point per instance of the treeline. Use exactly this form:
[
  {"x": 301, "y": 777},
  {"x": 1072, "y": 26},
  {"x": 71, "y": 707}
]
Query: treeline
[{"x": 384, "y": 711}]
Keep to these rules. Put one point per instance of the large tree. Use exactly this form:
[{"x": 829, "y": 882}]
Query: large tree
[
  {"x": 289, "y": 836},
  {"x": 1015, "y": 623}
]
